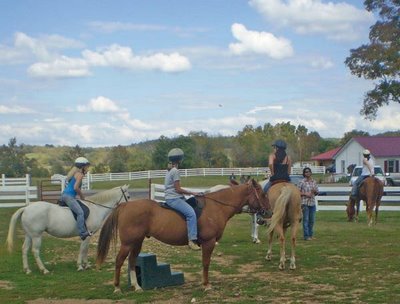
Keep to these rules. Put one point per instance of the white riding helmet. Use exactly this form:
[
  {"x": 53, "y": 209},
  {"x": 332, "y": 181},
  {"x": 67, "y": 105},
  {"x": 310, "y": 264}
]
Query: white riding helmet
[
  {"x": 81, "y": 162},
  {"x": 175, "y": 154},
  {"x": 366, "y": 152}
]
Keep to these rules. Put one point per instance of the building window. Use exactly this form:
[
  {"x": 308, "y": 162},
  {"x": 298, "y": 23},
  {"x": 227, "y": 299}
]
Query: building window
[{"x": 392, "y": 166}]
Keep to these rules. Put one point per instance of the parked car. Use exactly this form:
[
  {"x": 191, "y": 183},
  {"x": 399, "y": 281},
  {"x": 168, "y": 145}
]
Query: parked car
[
  {"x": 377, "y": 170},
  {"x": 393, "y": 179},
  {"x": 331, "y": 169},
  {"x": 296, "y": 178}
]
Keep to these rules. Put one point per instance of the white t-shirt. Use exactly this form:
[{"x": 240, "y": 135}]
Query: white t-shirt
[{"x": 365, "y": 170}]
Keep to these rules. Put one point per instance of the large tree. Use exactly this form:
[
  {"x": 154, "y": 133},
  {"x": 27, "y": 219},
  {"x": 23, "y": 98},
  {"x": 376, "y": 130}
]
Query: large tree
[{"x": 379, "y": 60}]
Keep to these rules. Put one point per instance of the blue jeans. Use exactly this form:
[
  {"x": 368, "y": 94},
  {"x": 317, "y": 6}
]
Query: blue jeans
[
  {"x": 267, "y": 186},
  {"x": 76, "y": 208},
  {"x": 191, "y": 220},
  {"x": 356, "y": 184},
  {"x": 308, "y": 220}
]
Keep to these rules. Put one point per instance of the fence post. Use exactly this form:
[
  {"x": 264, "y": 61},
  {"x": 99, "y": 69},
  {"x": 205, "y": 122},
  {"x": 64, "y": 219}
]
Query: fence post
[
  {"x": 27, "y": 184},
  {"x": 3, "y": 180}
]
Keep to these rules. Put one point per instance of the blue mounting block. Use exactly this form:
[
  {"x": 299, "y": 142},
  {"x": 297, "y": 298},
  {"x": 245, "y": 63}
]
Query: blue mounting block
[{"x": 152, "y": 275}]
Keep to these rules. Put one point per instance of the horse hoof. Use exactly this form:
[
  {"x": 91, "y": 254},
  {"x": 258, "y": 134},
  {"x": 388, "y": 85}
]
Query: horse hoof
[
  {"x": 28, "y": 271},
  {"x": 117, "y": 290},
  {"x": 256, "y": 241},
  {"x": 281, "y": 267},
  {"x": 207, "y": 287},
  {"x": 45, "y": 271},
  {"x": 292, "y": 267},
  {"x": 268, "y": 257}
]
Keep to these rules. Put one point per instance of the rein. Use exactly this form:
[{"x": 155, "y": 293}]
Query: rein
[
  {"x": 122, "y": 196},
  {"x": 240, "y": 210}
]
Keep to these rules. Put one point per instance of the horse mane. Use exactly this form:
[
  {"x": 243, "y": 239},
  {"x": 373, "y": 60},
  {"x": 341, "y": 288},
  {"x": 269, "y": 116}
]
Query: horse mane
[{"x": 103, "y": 197}]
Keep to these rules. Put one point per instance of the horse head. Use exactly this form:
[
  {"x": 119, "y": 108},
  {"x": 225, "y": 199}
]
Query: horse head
[{"x": 258, "y": 200}]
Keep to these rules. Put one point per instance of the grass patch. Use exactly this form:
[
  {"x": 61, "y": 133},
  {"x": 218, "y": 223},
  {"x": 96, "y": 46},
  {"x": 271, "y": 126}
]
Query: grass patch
[{"x": 348, "y": 263}]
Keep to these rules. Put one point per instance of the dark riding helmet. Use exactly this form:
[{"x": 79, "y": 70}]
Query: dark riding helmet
[
  {"x": 175, "y": 155},
  {"x": 279, "y": 144}
]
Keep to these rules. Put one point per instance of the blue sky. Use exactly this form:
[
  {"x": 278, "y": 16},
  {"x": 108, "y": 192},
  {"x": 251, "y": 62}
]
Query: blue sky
[{"x": 104, "y": 73}]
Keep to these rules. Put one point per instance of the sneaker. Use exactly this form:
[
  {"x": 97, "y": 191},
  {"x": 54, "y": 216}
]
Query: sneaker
[
  {"x": 308, "y": 239},
  {"x": 85, "y": 235},
  {"x": 192, "y": 245}
]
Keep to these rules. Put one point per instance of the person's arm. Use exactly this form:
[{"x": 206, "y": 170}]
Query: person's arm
[
  {"x": 271, "y": 160},
  {"x": 77, "y": 186},
  {"x": 178, "y": 189}
]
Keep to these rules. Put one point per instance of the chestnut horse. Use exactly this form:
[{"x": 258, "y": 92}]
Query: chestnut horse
[
  {"x": 285, "y": 201},
  {"x": 371, "y": 191},
  {"x": 135, "y": 220}
]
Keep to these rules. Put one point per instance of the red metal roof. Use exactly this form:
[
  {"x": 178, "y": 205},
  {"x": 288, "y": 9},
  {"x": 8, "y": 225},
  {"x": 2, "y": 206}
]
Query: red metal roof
[
  {"x": 328, "y": 155},
  {"x": 380, "y": 146}
]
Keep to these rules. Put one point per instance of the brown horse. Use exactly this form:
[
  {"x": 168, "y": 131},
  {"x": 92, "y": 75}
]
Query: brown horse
[
  {"x": 371, "y": 191},
  {"x": 285, "y": 201},
  {"x": 135, "y": 220}
]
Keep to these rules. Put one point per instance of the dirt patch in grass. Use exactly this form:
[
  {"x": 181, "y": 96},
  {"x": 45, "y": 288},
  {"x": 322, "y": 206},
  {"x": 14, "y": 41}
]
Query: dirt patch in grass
[{"x": 6, "y": 285}]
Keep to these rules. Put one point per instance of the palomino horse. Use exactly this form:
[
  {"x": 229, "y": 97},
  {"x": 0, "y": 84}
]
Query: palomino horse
[
  {"x": 285, "y": 201},
  {"x": 371, "y": 191},
  {"x": 135, "y": 220},
  {"x": 57, "y": 221}
]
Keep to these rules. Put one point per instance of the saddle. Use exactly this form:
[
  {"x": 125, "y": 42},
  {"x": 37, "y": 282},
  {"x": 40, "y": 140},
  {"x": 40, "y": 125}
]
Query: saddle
[
  {"x": 278, "y": 181},
  {"x": 196, "y": 204},
  {"x": 85, "y": 208}
]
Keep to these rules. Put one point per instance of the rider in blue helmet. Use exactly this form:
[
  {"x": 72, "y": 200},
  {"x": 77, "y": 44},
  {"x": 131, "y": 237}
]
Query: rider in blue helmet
[{"x": 279, "y": 164}]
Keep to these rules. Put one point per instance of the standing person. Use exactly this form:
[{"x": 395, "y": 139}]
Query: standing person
[
  {"x": 279, "y": 164},
  {"x": 174, "y": 196},
  {"x": 73, "y": 188},
  {"x": 308, "y": 190},
  {"x": 367, "y": 170}
]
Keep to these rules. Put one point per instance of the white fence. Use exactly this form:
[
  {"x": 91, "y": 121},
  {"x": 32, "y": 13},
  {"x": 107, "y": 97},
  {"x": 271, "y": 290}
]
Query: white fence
[
  {"x": 333, "y": 198},
  {"x": 16, "y": 189},
  {"x": 258, "y": 171}
]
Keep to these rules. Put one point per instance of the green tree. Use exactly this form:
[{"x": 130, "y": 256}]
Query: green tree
[
  {"x": 380, "y": 59},
  {"x": 13, "y": 162},
  {"x": 119, "y": 157},
  {"x": 353, "y": 133}
]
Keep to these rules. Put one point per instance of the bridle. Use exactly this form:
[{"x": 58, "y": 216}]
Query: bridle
[
  {"x": 116, "y": 203},
  {"x": 229, "y": 204}
]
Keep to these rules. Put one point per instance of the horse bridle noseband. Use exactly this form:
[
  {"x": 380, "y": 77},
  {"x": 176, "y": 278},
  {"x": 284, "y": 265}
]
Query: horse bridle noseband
[{"x": 122, "y": 196}]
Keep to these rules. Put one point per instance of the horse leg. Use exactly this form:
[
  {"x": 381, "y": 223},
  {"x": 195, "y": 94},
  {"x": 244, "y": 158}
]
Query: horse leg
[
  {"x": 206, "y": 251},
  {"x": 119, "y": 261},
  {"x": 36, "y": 244},
  {"x": 132, "y": 271},
  {"x": 82, "y": 261},
  {"x": 268, "y": 257},
  {"x": 294, "y": 229},
  {"x": 280, "y": 232},
  {"x": 254, "y": 229},
  {"x": 25, "y": 248},
  {"x": 357, "y": 209}
]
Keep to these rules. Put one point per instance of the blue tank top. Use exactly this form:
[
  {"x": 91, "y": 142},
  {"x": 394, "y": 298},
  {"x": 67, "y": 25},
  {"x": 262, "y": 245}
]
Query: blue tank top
[{"x": 70, "y": 187}]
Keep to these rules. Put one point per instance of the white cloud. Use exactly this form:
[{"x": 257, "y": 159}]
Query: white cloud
[
  {"x": 123, "y": 57},
  {"x": 260, "y": 43},
  {"x": 339, "y": 21},
  {"x": 99, "y": 104},
  {"x": 61, "y": 67},
  {"x": 15, "y": 110},
  {"x": 321, "y": 63},
  {"x": 263, "y": 109}
]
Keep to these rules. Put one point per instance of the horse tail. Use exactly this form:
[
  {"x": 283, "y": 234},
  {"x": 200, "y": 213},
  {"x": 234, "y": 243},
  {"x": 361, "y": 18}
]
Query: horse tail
[
  {"x": 280, "y": 207},
  {"x": 108, "y": 231},
  {"x": 11, "y": 229}
]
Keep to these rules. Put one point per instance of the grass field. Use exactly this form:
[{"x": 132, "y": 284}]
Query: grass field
[{"x": 347, "y": 263}]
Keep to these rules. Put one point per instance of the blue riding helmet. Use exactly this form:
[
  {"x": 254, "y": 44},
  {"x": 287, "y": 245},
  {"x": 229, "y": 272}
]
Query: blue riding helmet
[{"x": 279, "y": 144}]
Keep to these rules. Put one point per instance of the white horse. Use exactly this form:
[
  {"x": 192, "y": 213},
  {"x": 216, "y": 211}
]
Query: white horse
[{"x": 57, "y": 221}]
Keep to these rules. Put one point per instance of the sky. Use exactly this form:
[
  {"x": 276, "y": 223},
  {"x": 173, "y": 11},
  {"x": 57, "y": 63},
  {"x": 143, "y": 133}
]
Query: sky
[{"x": 100, "y": 73}]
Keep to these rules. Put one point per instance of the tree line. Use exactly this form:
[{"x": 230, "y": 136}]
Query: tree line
[{"x": 249, "y": 148}]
